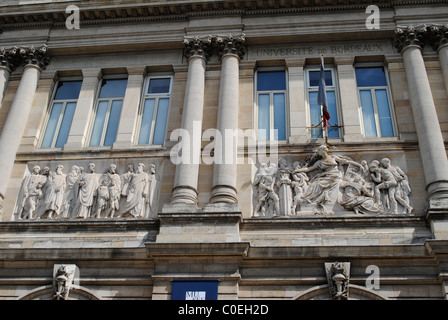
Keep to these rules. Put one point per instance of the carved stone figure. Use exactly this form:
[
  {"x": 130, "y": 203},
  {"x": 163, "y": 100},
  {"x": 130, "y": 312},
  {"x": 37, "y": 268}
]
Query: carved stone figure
[
  {"x": 88, "y": 184},
  {"x": 102, "y": 198},
  {"x": 299, "y": 185},
  {"x": 268, "y": 203},
  {"x": 329, "y": 183},
  {"x": 28, "y": 188},
  {"x": 338, "y": 274},
  {"x": 70, "y": 191},
  {"x": 51, "y": 204},
  {"x": 137, "y": 191},
  {"x": 62, "y": 281},
  {"x": 327, "y": 179},
  {"x": 150, "y": 203},
  {"x": 30, "y": 202},
  {"x": 284, "y": 187}
]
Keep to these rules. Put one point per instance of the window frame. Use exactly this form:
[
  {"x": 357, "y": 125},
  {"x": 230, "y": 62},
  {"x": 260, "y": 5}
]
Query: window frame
[
  {"x": 61, "y": 114},
  {"x": 157, "y": 96},
  {"x": 109, "y": 107},
  {"x": 374, "y": 101},
  {"x": 271, "y": 103},
  {"x": 334, "y": 87}
]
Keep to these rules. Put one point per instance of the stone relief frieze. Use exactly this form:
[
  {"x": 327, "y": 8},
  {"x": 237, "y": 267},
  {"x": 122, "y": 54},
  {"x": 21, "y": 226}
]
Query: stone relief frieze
[
  {"x": 84, "y": 193},
  {"x": 326, "y": 183}
]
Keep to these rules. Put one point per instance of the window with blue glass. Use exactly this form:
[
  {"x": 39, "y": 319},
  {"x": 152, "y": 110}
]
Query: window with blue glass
[
  {"x": 61, "y": 113},
  {"x": 271, "y": 103},
  {"x": 108, "y": 111},
  {"x": 315, "y": 110},
  {"x": 154, "y": 111},
  {"x": 377, "y": 116}
]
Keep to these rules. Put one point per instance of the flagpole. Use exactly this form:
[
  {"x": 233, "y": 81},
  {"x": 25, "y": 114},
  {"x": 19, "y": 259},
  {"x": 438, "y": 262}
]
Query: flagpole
[{"x": 325, "y": 128}]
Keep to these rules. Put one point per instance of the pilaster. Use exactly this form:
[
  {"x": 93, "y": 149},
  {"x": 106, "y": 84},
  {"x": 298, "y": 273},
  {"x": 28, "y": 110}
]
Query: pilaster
[
  {"x": 127, "y": 127},
  {"x": 349, "y": 101},
  {"x": 297, "y": 109},
  {"x": 78, "y": 134}
]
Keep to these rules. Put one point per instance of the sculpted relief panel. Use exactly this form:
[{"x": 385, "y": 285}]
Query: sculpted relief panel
[
  {"x": 327, "y": 183},
  {"x": 86, "y": 193}
]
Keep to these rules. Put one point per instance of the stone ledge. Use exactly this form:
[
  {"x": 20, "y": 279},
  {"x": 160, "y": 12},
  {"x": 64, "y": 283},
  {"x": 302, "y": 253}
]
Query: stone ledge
[{"x": 79, "y": 224}]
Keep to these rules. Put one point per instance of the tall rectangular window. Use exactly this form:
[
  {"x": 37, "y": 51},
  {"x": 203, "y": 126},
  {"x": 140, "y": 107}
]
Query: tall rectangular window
[
  {"x": 315, "y": 111},
  {"x": 154, "y": 111},
  {"x": 108, "y": 110},
  {"x": 271, "y": 102},
  {"x": 61, "y": 114},
  {"x": 375, "y": 102}
]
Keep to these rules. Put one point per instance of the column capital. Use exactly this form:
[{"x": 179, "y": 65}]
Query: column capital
[
  {"x": 198, "y": 47},
  {"x": 407, "y": 36},
  {"x": 231, "y": 45},
  {"x": 37, "y": 57},
  {"x": 8, "y": 58},
  {"x": 438, "y": 35}
]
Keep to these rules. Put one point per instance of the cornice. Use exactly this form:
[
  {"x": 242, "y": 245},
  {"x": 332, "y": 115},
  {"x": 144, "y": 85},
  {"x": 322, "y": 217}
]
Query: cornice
[{"x": 102, "y": 12}]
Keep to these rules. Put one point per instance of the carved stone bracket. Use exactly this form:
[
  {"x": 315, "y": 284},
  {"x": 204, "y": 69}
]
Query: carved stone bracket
[
  {"x": 35, "y": 56},
  {"x": 231, "y": 45},
  {"x": 438, "y": 35},
  {"x": 63, "y": 277},
  {"x": 406, "y": 36},
  {"x": 198, "y": 47},
  {"x": 338, "y": 274}
]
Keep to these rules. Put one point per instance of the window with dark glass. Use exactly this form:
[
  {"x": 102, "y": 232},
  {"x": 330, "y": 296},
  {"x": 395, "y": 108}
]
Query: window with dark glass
[
  {"x": 154, "y": 111},
  {"x": 315, "y": 111},
  {"x": 108, "y": 111},
  {"x": 375, "y": 102},
  {"x": 271, "y": 103},
  {"x": 61, "y": 113}
]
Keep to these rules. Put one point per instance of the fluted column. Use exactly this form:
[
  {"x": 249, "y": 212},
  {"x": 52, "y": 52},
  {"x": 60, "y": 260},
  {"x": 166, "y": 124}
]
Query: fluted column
[
  {"x": 197, "y": 51},
  {"x": 410, "y": 41},
  {"x": 231, "y": 50},
  {"x": 35, "y": 60}
]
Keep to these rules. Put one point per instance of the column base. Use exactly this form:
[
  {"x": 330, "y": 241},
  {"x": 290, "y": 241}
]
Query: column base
[
  {"x": 184, "y": 195},
  {"x": 223, "y": 194}
]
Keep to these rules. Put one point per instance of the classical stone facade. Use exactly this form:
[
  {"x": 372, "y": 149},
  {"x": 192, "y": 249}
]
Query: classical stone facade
[{"x": 172, "y": 141}]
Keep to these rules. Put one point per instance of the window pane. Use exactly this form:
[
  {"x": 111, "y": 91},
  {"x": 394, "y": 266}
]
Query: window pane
[
  {"x": 159, "y": 86},
  {"x": 315, "y": 115},
  {"x": 279, "y": 116},
  {"x": 113, "y": 88},
  {"x": 368, "y": 113},
  {"x": 315, "y": 78},
  {"x": 99, "y": 123},
  {"x": 263, "y": 117},
  {"x": 51, "y": 125},
  {"x": 112, "y": 125},
  {"x": 145, "y": 128},
  {"x": 332, "y": 109},
  {"x": 68, "y": 90},
  {"x": 370, "y": 77},
  {"x": 267, "y": 81},
  {"x": 65, "y": 124},
  {"x": 387, "y": 129},
  {"x": 162, "y": 115}
]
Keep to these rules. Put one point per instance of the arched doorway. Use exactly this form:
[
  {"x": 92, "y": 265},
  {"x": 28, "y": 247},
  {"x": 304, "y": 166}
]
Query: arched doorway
[
  {"x": 47, "y": 292},
  {"x": 323, "y": 293}
]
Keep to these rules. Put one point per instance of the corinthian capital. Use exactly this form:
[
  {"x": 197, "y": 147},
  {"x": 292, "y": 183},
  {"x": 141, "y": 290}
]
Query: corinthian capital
[
  {"x": 438, "y": 35},
  {"x": 198, "y": 47},
  {"x": 35, "y": 56},
  {"x": 231, "y": 45},
  {"x": 406, "y": 36},
  {"x": 8, "y": 58}
]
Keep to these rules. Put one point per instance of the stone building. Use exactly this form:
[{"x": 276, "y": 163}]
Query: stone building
[{"x": 114, "y": 183}]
